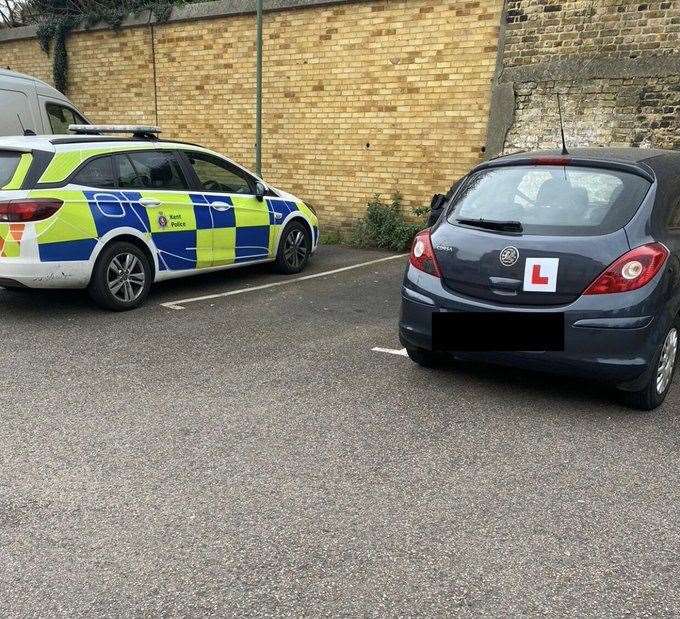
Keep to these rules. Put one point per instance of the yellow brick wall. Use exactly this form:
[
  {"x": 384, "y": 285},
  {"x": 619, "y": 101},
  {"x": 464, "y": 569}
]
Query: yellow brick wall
[
  {"x": 359, "y": 98},
  {"x": 25, "y": 56},
  {"x": 111, "y": 75}
]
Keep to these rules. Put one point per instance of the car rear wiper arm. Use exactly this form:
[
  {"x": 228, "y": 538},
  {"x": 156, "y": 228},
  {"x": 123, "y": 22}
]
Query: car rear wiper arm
[{"x": 490, "y": 224}]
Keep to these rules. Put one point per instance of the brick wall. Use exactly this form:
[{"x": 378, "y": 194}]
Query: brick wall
[
  {"x": 359, "y": 97},
  {"x": 538, "y": 29},
  {"x": 615, "y": 63}
]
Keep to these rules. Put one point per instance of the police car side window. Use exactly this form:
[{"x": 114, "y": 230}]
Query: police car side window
[
  {"x": 127, "y": 175},
  {"x": 97, "y": 173},
  {"x": 219, "y": 176},
  {"x": 150, "y": 170}
]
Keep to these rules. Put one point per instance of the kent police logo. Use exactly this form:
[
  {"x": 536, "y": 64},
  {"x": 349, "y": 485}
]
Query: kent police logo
[
  {"x": 509, "y": 256},
  {"x": 162, "y": 221}
]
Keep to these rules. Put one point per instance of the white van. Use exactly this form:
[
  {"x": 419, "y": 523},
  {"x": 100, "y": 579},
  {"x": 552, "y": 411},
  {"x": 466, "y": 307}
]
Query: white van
[{"x": 27, "y": 104}]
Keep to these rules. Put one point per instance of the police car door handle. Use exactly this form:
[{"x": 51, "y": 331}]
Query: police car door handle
[
  {"x": 150, "y": 202},
  {"x": 221, "y": 206}
]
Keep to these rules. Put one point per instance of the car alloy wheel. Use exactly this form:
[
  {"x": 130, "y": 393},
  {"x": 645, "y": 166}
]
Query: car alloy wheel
[
  {"x": 664, "y": 372},
  {"x": 295, "y": 248},
  {"x": 125, "y": 277}
]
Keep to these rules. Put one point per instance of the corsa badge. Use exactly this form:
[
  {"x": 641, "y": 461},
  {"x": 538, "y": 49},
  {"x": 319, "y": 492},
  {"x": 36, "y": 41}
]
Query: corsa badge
[
  {"x": 509, "y": 256},
  {"x": 540, "y": 274}
]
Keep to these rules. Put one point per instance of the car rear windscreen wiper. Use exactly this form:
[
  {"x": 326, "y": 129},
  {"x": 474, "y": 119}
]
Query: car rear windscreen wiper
[{"x": 490, "y": 224}]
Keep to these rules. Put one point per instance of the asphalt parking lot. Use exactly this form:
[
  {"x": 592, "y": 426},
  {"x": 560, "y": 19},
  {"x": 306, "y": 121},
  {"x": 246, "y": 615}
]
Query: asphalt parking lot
[{"x": 251, "y": 454}]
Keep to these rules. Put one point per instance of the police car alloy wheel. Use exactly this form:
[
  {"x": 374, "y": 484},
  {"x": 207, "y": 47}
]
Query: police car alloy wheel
[
  {"x": 121, "y": 278},
  {"x": 125, "y": 277},
  {"x": 294, "y": 249}
]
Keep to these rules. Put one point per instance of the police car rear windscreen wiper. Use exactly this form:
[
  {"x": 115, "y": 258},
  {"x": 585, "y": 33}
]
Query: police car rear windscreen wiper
[{"x": 490, "y": 224}]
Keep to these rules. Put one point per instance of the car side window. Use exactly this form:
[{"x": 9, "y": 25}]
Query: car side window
[
  {"x": 97, "y": 173},
  {"x": 219, "y": 176},
  {"x": 674, "y": 220},
  {"x": 150, "y": 170},
  {"x": 126, "y": 173},
  {"x": 61, "y": 117}
]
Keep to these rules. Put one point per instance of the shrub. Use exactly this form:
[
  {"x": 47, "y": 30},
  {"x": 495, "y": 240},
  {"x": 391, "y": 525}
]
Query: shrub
[
  {"x": 332, "y": 237},
  {"x": 385, "y": 226}
]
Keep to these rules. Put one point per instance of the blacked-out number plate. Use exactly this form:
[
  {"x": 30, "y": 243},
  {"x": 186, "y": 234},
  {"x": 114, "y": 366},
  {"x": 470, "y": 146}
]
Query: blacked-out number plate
[{"x": 498, "y": 331}]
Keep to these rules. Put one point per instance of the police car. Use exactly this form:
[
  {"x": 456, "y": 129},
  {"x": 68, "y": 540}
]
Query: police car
[{"x": 113, "y": 214}]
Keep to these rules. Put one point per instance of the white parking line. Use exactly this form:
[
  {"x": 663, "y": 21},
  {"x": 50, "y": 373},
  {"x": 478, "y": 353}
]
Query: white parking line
[
  {"x": 391, "y": 351},
  {"x": 179, "y": 305}
]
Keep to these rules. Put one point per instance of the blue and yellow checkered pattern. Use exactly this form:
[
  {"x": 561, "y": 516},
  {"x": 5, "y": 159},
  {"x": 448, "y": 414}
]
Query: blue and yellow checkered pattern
[{"x": 188, "y": 230}]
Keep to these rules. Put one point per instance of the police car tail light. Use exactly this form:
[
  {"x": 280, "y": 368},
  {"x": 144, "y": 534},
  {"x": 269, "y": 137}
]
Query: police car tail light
[
  {"x": 631, "y": 271},
  {"x": 422, "y": 254},
  {"x": 22, "y": 211}
]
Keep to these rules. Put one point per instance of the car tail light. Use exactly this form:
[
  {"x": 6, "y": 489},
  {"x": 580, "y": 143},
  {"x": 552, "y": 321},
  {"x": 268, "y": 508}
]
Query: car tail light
[
  {"x": 422, "y": 254},
  {"x": 631, "y": 271},
  {"x": 21, "y": 211}
]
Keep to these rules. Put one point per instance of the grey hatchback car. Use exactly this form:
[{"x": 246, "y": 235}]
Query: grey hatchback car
[{"x": 561, "y": 263}]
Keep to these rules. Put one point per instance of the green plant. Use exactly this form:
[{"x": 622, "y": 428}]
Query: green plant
[
  {"x": 385, "y": 226},
  {"x": 57, "y": 18},
  {"x": 332, "y": 237}
]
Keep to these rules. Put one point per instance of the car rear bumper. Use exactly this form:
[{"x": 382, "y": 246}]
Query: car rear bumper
[
  {"x": 602, "y": 342},
  {"x": 34, "y": 274}
]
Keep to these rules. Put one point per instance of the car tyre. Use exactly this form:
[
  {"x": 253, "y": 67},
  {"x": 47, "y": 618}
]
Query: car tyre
[
  {"x": 425, "y": 358},
  {"x": 665, "y": 363},
  {"x": 295, "y": 248},
  {"x": 121, "y": 278}
]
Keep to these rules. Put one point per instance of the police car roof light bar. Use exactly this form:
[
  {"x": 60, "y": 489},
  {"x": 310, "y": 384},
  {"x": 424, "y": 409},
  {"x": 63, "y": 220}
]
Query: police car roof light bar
[{"x": 141, "y": 132}]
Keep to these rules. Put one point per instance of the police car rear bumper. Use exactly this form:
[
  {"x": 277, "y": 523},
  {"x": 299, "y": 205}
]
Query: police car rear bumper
[
  {"x": 30, "y": 274},
  {"x": 613, "y": 347}
]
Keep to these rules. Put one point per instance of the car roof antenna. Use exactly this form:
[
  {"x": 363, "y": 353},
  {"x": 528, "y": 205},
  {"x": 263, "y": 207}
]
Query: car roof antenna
[
  {"x": 559, "y": 109},
  {"x": 25, "y": 131}
]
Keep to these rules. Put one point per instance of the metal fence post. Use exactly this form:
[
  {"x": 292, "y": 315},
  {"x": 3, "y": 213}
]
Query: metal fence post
[{"x": 258, "y": 119}]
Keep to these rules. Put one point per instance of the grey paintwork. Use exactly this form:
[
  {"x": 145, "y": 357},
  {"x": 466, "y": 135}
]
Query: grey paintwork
[
  {"x": 617, "y": 335},
  {"x": 27, "y": 97}
]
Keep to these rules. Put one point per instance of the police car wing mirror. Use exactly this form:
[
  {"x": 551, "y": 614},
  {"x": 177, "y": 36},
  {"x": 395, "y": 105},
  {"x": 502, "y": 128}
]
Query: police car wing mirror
[{"x": 260, "y": 190}]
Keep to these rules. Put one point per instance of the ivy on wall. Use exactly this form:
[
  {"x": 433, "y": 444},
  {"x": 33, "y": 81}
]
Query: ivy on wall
[{"x": 57, "y": 18}]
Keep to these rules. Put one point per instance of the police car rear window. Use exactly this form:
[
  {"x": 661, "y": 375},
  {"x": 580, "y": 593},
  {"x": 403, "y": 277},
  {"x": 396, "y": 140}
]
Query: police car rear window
[
  {"x": 551, "y": 199},
  {"x": 97, "y": 173},
  {"x": 8, "y": 166},
  {"x": 150, "y": 170}
]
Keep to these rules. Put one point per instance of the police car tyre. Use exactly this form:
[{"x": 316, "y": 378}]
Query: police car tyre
[
  {"x": 425, "y": 358},
  {"x": 295, "y": 248},
  {"x": 661, "y": 378},
  {"x": 121, "y": 278}
]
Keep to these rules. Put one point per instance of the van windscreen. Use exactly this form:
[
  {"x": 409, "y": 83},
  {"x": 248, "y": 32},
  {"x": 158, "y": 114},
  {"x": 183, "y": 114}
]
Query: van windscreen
[
  {"x": 8, "y": 165},
  {"x": 551, "y": 200}
]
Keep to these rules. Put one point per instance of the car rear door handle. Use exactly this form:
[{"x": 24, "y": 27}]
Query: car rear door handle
[
  {"x": 505, "y": 286},
  {"x": 150, "y": 202},
  {"x": 221, "y": 206},
  {"x": 505, "y": 283}
]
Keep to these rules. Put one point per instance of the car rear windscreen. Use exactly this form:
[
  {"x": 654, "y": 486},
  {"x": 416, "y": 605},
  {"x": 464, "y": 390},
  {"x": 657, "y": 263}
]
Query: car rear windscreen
[
  {"x": 8, "y": 165},
  {"x": 551, "y": 200}
]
